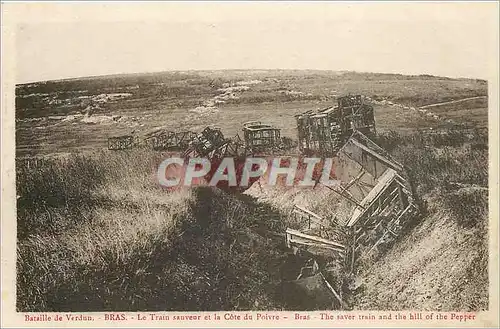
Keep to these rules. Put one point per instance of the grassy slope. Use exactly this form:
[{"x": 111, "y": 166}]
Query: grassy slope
[
  {"x": 442, "y": 261},
  {"x": 95, "y": 233},
  {"x": 439, "y": 266}
]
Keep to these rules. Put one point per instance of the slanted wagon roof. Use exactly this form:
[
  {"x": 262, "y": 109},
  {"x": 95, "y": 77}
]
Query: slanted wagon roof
[
  {"x": 358, "y": 139},
  {"x": 384, "y": 181}
]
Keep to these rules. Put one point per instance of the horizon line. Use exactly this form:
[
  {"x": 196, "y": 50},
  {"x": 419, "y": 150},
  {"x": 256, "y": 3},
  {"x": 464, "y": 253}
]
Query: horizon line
[{"x": 240, "y": 69}]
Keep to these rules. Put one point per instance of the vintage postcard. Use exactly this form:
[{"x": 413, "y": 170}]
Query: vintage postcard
[{"x": 249, "y": 164}]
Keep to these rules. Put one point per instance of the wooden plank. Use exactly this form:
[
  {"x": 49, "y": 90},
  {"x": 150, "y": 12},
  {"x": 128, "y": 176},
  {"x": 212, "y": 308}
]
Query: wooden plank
[
  {"x": 308, "y": 212},
  {"x": 309, "y": 215},
  {"x": 329, "y": 286},
  {"x": 383, "y": 184},
  {"x": 353, "y": 255},
  {"x": 314, "y": 238},
  {"x": 288, "y": 238},
  {"x": 341, "y": 251}
]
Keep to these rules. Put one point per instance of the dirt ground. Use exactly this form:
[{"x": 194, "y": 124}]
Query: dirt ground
[{"x": 79, "y": 115}]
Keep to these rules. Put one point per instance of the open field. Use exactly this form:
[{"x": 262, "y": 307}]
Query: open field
[
  {"x": 468, "y": 110},
  {"x": 96, "y": 232},
  {"x": 51, "y": 116}
]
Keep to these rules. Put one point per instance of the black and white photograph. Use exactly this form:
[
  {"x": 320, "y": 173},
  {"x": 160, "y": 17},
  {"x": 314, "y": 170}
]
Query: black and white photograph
[{"x": 318, "y": 159}]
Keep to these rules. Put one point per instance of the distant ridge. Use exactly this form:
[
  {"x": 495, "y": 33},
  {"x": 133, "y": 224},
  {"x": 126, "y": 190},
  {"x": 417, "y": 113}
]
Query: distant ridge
[{"x": 256, "y": 72}]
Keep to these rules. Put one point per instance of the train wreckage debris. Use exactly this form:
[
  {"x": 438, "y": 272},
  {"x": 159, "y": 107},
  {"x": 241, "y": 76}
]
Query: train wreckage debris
[{"x": 376, "y": 187}]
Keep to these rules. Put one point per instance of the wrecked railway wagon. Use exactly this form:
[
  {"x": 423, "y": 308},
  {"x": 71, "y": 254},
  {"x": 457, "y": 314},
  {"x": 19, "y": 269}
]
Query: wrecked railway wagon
[
  {"x": 325, "y": 131},
  {"x": 356, "y": 114},
  {"x": 379, "y": 215},
  {"x": 121, "y": 142},
  {"x": 260, "y": 137},
  {"x": 377, "y": 190},
  {"x": 381, "y": 200},
  {"x": 169, "y": 140},
  {"x": 206, "y": 143}
]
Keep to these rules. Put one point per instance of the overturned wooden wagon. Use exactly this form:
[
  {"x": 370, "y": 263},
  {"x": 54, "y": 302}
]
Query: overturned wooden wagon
[
  {"x": 378, "y": 192},
  {"x": 205, "y": 143}
]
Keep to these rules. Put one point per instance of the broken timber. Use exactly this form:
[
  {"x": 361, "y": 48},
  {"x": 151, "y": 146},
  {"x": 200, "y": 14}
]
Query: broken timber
[
  {"x": 311, "y": 218},
  {"x": 206, "y": 143},
  {"x": 388, "y": 207},
  {"x": 297, "y": 238}
]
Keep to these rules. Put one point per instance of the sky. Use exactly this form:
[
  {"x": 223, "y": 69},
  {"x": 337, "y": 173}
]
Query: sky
[{"x": 56, "y": 41}]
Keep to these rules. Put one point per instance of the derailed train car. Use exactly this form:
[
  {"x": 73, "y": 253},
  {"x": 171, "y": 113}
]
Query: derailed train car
[{"x": 325, "y": 131}]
